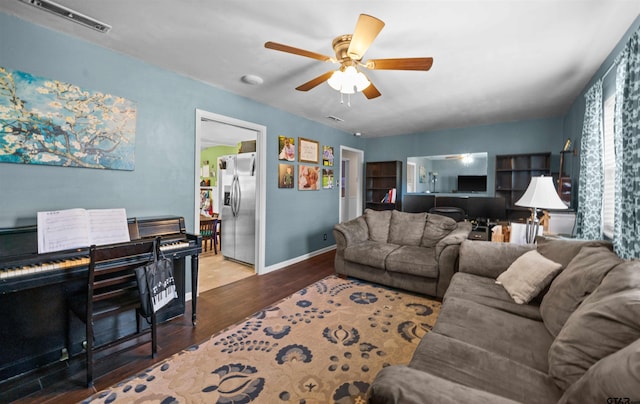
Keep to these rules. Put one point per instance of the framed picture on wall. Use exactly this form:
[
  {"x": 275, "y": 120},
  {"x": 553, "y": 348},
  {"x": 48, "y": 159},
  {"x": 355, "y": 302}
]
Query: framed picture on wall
[
  {"x": 308, "y": 150},
  {"x": 287, "y": 148},
  {"x": 327, "y": 156},
  {"x": 327, "y": 178},
  {"x": 308, "y": 178},
  {"x": 286, "y": 176}
]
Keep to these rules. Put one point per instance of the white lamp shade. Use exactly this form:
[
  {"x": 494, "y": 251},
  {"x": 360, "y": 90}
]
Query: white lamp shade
[
  {"x": 541, "y": 194},
  {"x": 335, "y": 81},
  {"x": 361, "y": 82}
]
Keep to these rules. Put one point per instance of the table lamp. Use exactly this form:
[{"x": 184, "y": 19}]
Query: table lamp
[{"x": 541, "y": 194}]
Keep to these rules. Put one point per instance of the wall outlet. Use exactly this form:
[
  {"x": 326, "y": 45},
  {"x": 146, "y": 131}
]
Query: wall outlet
[{"x": 324, "y": 237}]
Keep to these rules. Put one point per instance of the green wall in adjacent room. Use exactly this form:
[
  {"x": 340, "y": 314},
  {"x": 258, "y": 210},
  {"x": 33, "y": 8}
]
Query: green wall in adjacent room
[{"x": 211, "y": 155}]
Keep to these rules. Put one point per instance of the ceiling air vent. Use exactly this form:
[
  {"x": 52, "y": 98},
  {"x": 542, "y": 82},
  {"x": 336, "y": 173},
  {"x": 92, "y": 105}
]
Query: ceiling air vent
[
  {"x": 69, "y": 14},
  {"x": 335, "y": 118}
]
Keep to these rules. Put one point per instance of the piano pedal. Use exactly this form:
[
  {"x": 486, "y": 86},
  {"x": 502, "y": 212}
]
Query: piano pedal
[
  {"x": 64, "y": 354},
  {"x": 84, "y": 345}
]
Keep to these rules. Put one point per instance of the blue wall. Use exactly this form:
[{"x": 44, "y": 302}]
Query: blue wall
[
  {"x": 163, "y": 182},
  {"x": 544, "y": 135}
]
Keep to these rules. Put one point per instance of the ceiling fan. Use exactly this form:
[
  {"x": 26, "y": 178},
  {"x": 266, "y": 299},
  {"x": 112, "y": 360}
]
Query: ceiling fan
[{"x": 349, "y": 50}]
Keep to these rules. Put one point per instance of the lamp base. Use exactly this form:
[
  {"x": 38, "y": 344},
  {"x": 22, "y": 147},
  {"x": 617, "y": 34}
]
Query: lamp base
[{"x": 533, "y": 226}]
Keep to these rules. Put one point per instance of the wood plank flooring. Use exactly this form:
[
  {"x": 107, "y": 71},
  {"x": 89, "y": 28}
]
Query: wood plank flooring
[{"x": 217, "y": 309}]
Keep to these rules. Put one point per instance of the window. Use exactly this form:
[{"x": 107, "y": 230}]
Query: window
[{"x": 609, "y": 165}]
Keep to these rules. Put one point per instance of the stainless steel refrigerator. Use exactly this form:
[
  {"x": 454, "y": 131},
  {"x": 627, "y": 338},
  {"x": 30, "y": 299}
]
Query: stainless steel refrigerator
[{"x": 238, "y": 197}]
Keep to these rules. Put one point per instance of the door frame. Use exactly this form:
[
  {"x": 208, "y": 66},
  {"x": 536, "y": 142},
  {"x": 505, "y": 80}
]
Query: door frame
[
  {"x": 412, "y": 169},
  {"x": 261, "y": 132},
  {"x": 360, "y": 163}
]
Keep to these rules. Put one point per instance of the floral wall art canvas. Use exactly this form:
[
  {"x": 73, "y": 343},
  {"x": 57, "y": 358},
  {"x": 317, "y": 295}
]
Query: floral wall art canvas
[{"x": 50, "y": 122}]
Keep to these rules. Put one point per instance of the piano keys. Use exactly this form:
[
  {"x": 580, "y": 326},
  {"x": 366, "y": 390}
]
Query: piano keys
[{"x": 34, "y": 287}]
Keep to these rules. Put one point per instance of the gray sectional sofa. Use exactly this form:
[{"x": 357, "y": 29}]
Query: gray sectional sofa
[
  {"x": 575, "y": 341},
  {"x": 412, "y": 251}
]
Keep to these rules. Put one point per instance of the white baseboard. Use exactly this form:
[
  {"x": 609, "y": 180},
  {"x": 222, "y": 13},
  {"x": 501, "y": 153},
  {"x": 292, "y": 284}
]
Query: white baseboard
[
  {"x": 292, "y": 261},
  {"x": 284, "y": 264}
]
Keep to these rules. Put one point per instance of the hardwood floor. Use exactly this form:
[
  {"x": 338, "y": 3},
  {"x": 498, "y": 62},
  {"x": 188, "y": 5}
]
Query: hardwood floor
[{"x": 217, "y": 309}]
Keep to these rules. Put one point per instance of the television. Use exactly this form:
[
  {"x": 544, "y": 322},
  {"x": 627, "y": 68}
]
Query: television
[
  {"x": 487, "y": 207},
  {"x": 472, "y": 183}
]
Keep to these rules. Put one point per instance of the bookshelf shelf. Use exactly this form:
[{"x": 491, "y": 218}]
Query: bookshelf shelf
[
  {"x": 382, "y": 176},
  {"x": 513, "y": 174}
]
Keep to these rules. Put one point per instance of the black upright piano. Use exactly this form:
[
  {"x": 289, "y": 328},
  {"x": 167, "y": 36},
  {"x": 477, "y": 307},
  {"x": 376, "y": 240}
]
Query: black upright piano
[{"x": 34, "y": 288}]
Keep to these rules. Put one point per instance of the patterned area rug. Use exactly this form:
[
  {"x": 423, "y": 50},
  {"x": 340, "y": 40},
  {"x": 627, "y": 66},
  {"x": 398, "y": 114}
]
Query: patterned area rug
[{"x": 322, "y": 344}]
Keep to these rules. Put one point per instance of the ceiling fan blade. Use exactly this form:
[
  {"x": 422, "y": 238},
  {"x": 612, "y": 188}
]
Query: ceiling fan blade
[
  {"x": 371, "y": 92},
  {"x": 296, "y": 51},
  {"x": 315, "y": 82},
  {"x": 400, "y": 64},
  {"x": 367, "y": 29}
]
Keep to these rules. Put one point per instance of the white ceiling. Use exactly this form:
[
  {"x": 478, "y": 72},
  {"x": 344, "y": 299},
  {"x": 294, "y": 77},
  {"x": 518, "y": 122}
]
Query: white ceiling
[
  {"x": 494, "y": 60},
  {"x": 216, "y": 133}
]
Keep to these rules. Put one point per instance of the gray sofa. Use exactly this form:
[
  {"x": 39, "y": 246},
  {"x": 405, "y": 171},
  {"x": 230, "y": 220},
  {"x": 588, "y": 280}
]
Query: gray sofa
[
  {"x": 412, "y": 251},
  {"x": 576, "y": 342}
]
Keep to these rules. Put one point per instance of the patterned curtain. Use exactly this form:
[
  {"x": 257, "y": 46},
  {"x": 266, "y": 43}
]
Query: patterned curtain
[
  {"x": 627, "y": 148},
  {"x": 590, "y": 184}
]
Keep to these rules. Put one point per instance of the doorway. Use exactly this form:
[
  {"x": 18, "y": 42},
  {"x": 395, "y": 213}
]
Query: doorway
[
  {"x": 351, "y": 170},
  {"x": 218, "y": 130}
]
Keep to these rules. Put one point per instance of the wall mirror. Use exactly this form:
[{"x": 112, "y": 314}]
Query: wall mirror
[{"x": 448, "y": 173}]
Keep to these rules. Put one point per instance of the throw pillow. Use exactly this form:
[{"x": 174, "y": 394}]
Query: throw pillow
[
  {"x": 378, "y": 223},
  {"x": 606, "y": 321},
  {"x": 436, "y": 228},
  {"x": 527, "y": 276},
  {"x": 578, "y": 280},
  {"x": 562, "y": 251},
  {"x": 406, "y": 228},
  {"x": 617, "y": 375}
]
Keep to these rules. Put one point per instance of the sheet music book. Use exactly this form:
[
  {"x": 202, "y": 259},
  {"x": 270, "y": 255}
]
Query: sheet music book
[{"x": 75, "y": 228}]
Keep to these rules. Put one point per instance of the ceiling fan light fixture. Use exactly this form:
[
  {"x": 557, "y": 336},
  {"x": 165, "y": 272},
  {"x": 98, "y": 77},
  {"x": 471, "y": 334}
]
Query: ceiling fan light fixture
[{"x": 348, "y": 81}]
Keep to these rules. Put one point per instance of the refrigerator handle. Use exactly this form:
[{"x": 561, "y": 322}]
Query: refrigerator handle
[
  {"x": 253, "y": 166},
  {"x": 232, "y": 196},
  {"x": 237, "y": 195}
]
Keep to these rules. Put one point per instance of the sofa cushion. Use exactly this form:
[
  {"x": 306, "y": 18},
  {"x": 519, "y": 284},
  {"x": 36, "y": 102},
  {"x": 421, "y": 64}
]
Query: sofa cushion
[
  {"x": 436, "y": 228},
  {"x": 528, "y": 275},
  {"x": 406, "y": 228},
  {"x": 402, "y": 384},
  {"x": 605, "y": 322},
  {"x": 489, "y": 259},
  {"x": 563, "y": 251},
  {"x": 378, "y": 222},
  {"x": 470, "y": 365},
  {"x": 369, "y": 253},
  {"x": 578, "y": 280},
  {"x": 485, "y": 291},
  {"x": 515, "y": 337},
  {"x": 617, "y": 375},
  {"x": 411, "y": 260}
]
